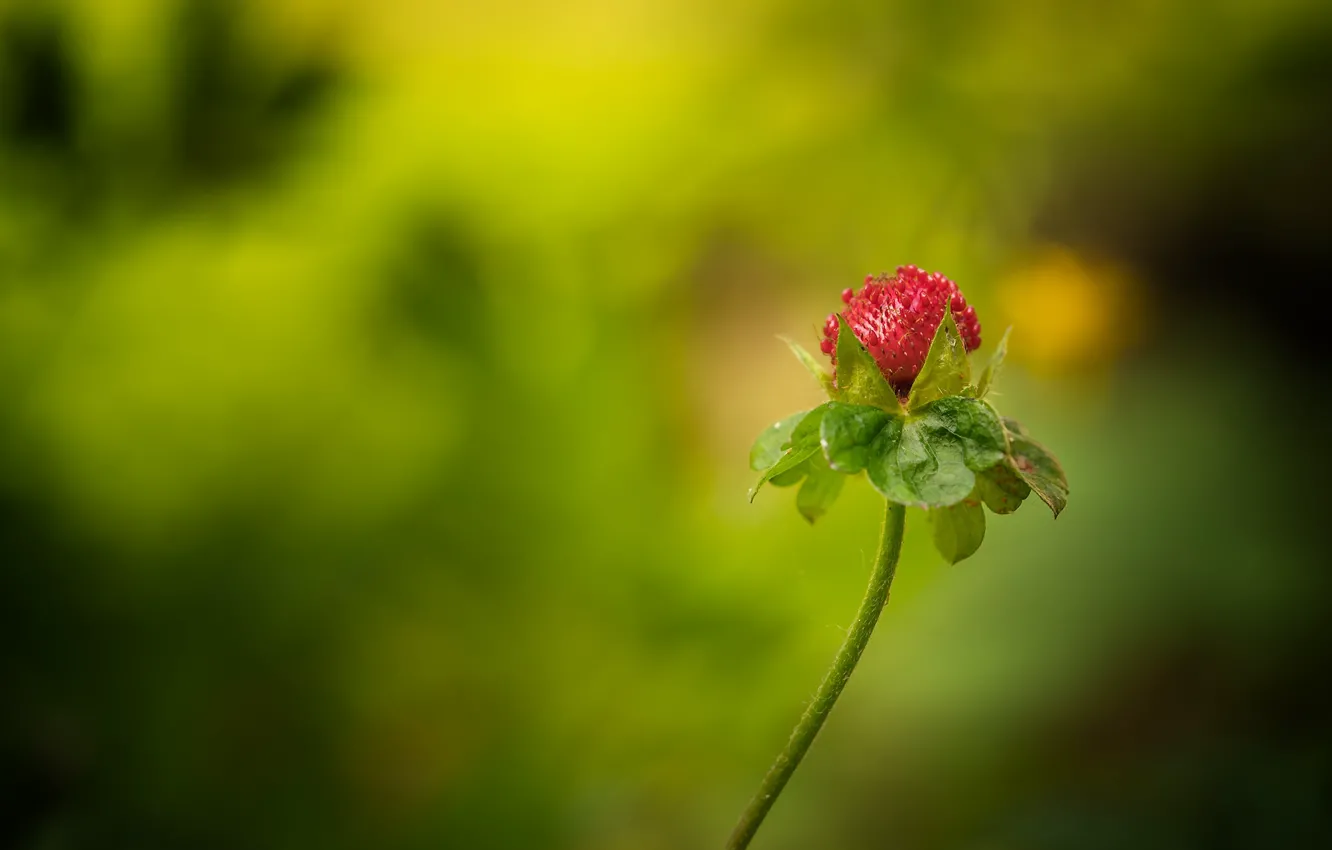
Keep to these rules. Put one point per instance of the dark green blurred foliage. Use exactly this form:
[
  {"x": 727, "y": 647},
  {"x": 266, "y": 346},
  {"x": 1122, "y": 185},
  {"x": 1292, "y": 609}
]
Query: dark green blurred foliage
[
  {"x": 376, "y": 382},
  {"x": 38, "y": 86}
]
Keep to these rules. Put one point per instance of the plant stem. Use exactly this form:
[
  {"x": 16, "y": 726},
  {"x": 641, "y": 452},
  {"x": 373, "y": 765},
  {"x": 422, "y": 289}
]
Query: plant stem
[{"x": 885, "y": 566}]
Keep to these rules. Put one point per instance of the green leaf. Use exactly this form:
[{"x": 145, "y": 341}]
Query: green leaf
[
  {"x": 971, "y": 422},
  {"x": 933, "y": 460},
  {"x": 1037, "y": 467},
  {"x": 786, "y": 471},
  {"x": 916, "y": 470},
  {"x": 804, "y": 444},
  {"x": 848, "y": 432},
  {"x": 958, "y": 530},
  {"x": 992, "y": 368},
  {"x": 821, "y": 488},
  {"x": 770, "y": 445},
  {"x": 815, "y": 366},
  {"x": 1001, "y": 488},
  {"x": 859, "y": 380},
  {"x": 946, "y": 371},
  {"x": 792, "y": 476}
]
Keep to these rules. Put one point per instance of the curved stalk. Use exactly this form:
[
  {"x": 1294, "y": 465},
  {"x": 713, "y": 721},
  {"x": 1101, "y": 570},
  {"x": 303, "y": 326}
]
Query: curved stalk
[{"x": 885, "y": 566}]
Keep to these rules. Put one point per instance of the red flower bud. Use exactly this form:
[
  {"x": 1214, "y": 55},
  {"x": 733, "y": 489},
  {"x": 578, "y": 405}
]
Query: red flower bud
[{"x": 895, "y": 318}]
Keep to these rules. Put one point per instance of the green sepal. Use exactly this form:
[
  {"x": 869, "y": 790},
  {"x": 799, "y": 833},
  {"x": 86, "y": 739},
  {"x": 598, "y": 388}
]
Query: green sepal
[
  {"x": 992, "y": 368},
  {"x": 815, "y": 367},
  {"x": 958, "y": 530},
  {"x": 859, "y": 380},
  {"x": 1037, "y": 467},
  {"x": 946, "y": 371},
  {"x": 1001, "y": 488},
  {"x": 821, "y": 488},
  {"x": 803, "y": 444}
]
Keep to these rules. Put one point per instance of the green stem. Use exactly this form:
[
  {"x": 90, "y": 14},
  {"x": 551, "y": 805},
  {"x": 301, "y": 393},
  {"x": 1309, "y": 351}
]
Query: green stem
[{"x": 885, "y": 565}]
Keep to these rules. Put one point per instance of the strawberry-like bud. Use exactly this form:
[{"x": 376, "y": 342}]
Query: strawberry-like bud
[{"x": 896, "y": 317}]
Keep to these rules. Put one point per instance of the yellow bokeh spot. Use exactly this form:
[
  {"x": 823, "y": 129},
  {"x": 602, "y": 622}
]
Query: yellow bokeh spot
[{"x": 1070, "y": 314}]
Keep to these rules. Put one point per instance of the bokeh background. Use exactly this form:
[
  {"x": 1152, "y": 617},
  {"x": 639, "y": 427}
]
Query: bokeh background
[{"x": 377, "y": 380}]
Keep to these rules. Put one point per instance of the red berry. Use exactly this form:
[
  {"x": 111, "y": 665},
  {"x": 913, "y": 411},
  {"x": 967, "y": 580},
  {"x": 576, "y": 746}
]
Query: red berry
[{"x": 895, "y": 318}]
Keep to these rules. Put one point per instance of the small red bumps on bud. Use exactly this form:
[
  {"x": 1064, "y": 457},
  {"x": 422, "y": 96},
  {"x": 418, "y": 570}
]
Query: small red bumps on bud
[{"x": 896, "y": 317}]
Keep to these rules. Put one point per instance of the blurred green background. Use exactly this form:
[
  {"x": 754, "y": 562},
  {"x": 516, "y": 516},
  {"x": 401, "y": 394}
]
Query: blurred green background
[{"x": 377, "y": 381}]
